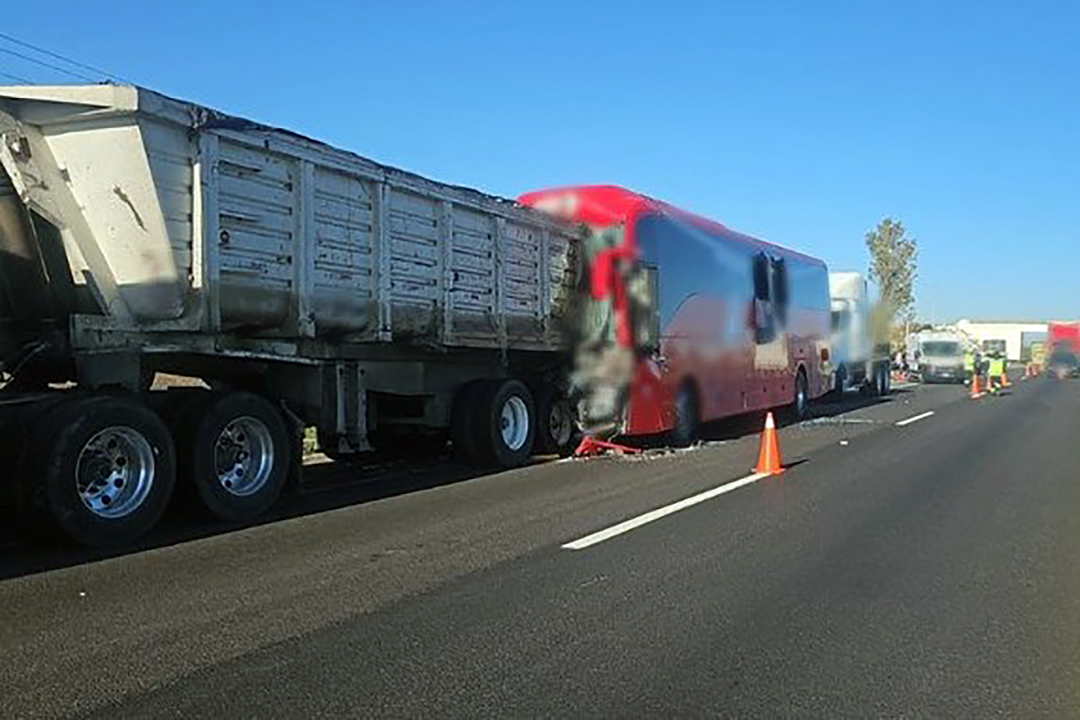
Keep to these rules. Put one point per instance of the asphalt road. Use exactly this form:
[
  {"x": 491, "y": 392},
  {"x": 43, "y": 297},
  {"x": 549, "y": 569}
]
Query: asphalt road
[{"x": 924, "y": 569}]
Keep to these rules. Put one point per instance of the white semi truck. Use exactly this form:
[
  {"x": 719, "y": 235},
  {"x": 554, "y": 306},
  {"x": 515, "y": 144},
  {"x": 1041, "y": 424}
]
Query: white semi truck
[
  {"x": 305, "y": 285},
  {"x": 859, "y": 350}
]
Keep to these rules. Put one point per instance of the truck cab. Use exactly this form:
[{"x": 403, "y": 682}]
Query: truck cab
[
  {"x": 859, "y": 361},
  {"x": 941, "y": 357}
]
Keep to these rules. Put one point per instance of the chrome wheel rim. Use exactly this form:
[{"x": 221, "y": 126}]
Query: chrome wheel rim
[
  {"x": 115, "y": 472},
  {"x": 514, "y": 423},
  {"x": 244, "y": 456}
]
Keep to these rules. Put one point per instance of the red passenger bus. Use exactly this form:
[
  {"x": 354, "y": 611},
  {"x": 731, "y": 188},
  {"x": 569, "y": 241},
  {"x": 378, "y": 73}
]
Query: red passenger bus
[{"x": 684, "y": 320}]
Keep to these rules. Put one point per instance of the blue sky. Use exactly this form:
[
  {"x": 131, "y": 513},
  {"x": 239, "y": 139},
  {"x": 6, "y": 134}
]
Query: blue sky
[{"x": 797, "y": 121}]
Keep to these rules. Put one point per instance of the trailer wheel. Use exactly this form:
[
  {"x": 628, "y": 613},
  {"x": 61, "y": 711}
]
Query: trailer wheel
[
  {"x": 234, "y": 455},
  {"x": 505, "y": 423},
  {"x": 463, "y": 415},
  {"x": 687, "y": 416},
  {"x": 555, "y": 429},
  {"x": 872, "y": 385},
  {"x": 100, "y": 470}
]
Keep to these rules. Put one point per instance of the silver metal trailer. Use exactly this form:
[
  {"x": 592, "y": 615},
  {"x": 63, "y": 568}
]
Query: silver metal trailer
[{"x": 305, "y": 285}]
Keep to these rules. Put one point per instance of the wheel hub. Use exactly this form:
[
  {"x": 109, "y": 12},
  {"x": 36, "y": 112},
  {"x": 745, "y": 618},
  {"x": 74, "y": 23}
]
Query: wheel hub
[
  {"x": 559, "y": 426},
  {"x": 244, "y": 456},
  {"x": 115, "y": 472},
  {"x": 514, "y": 423}
]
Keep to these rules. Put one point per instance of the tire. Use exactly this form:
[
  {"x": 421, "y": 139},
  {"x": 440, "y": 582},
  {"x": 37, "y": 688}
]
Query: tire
[
  {"x": 801, "y": 402},
  {"x": 838, "y": 383},
  {"x": 235, "y": 455},
  {"x": 103, "y": 470},
  {"x": 505, "y": 423},
  {"x": 463, "y": 415},
  {"x": 873, "y": 383},
  {"x": 885, "y": 382},
  {"x": 687, "y": 417},
  {"x": 555, "y": 429}
]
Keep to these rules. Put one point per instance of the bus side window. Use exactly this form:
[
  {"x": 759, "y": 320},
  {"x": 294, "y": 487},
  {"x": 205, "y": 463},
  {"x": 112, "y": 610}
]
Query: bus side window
[
  {"x": 761, "y": 277},
  {"x": 780, "y": 293},
  {"x": 644, "y": 286},
  {"x": 645, "y": 294},
  {"x": 764, "y": 322}
]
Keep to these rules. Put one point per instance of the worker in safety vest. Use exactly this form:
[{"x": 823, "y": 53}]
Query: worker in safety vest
[
  {"x": 996, "y": 370},
  {"x": 969, "y": 365},
  {"x": 982, "y": 364}
]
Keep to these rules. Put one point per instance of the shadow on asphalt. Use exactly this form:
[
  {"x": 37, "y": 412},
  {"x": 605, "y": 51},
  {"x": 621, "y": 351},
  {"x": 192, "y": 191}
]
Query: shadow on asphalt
[
  {"x": 328, "y": 486},
  {"x": 331, "y": 486}
]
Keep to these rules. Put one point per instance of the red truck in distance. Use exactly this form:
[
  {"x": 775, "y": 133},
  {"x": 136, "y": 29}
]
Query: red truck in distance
[{"x": 1063, "y": 349}]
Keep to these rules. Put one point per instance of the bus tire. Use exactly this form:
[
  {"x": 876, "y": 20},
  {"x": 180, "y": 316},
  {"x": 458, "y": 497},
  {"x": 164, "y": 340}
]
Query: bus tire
[
  {"x": 235, "y": 455},
  {"x": 504, "y": 423},
  {"x": 801, "y": 405},
  {"x": 687, "y": 416},
  {"x": 102, "y": 468}
]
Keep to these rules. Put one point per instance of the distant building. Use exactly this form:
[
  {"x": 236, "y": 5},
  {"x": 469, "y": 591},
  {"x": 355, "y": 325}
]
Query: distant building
[{"x": 993, "y": 334}]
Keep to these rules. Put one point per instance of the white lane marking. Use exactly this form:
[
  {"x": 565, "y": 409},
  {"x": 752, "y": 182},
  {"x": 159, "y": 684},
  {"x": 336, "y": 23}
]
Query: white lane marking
[
  {"x": 904, "y": 385},
  {"x": 917, "y": 418},
  {"x": 631, "y": 524}
]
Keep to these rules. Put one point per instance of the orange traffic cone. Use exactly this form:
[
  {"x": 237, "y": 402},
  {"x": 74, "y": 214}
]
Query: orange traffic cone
[
  {"x": 976, "y": 391},
  {"x": 1005, "y": 380},
  {"x": 769, "y": 462}
]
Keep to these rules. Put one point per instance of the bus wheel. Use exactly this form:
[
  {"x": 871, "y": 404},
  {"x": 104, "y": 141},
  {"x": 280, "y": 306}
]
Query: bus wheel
[
  {"x": 555, "y": 429},
  {"x": 687, "y": 417},
  {"x": 802, "y": 396},
  {"x": 103, "y": 470},
  {"x": 505, "y": 423},
  {"x": 234, "y": 455}
]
